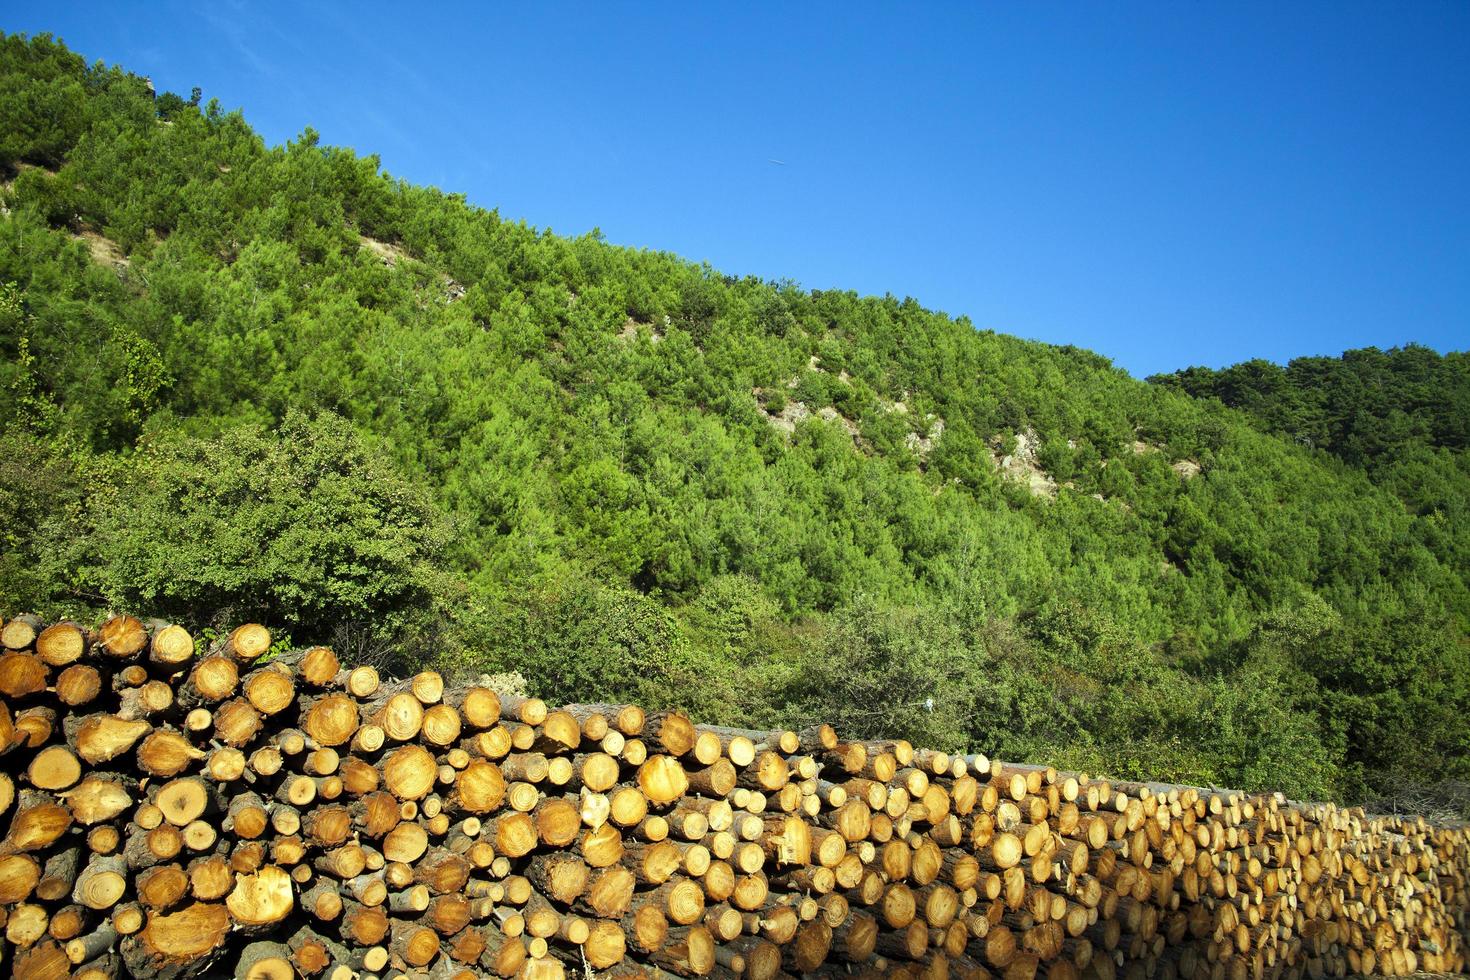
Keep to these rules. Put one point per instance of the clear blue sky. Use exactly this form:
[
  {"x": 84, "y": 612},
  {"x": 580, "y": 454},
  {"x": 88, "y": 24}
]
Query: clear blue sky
[{"x": 1167, "y": 184}]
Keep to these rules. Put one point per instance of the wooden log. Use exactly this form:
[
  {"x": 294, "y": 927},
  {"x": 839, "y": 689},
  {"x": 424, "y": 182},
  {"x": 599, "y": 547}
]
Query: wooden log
[
  {"x": 183, "y": 800},
  {"x": 25, "y": 925},
  {"x": 265, "y": 961},
  {"x": 34, "y": 726},
  {"x": 78, "y": 685},
  {"x": 41, "y": 960},
  {"x": 38, "y": 823},
  {"x": 605, "y": 945},
  {"x": 558, "y": 821},
  {"x": 602, "y": 846},
  {"x": 406, "y": 842},
  {"x": 54, "y": 768},
  {"x": 609, "y": 894},
  {"x": 59, "y": 874},
  {"x": 22, "y": 674},
  {"x": 21, "y": 632},
  {"x": 628, "y": 720},
  {"x": 186, "y": 940},
  {"x": 416, "y": 945},
  {"x": 261, "y": 899},
  {"x": 647, "y": 928},
  {"x": 397, "y": 712},
  {"x": 662, "y": 779},
  {"x": 505, "y": 955},
  {"x": 313, "y": 666},
  {"x": 479, "y": 788},
  {"x": 166, "y": 753},
  {"x": 715, "y": 780},
  {"x": 61, "y": 644},
  {"x": 152, "y": 697},
  {"x": 688, "y": 951},
  {"x": 161, "y": 886},
  {"x": 769, "y": 772},
  {"x": 270, "y": 689},
  {"x": 212, "y": 680},
  {"x": 559, "y": 732},
  {"x": 442, "y": 871},
  {"x": 19, "y": 875},
  {"x": 87, "y": 947},
  {"x": 122, "y": 637},
  {"x": 210, "y": 877},
  {"x": 330, "y": 720},
  {"x": 409, "y": 772},
  {"x": 171, "y": 646},
  {"x": 442, "y": 725},
  {"x": 245, "y": 643},
  {"x": 362, "y": 925}
]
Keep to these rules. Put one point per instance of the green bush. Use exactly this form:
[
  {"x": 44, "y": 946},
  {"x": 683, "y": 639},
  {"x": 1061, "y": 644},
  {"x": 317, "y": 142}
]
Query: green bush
[{"x": 303, "y": 526}]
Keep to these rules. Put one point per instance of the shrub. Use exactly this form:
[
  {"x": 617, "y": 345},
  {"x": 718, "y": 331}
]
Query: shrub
[{"x": 304, "y": 526}]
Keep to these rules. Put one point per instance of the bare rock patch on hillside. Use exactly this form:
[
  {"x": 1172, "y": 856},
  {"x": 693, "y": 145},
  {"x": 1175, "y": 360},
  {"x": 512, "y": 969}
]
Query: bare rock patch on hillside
[{"x": 1022, "y": 466}]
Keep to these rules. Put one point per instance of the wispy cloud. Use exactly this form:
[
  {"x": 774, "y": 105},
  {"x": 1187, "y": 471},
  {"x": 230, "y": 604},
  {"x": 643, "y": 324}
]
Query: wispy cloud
[
  {"x": 346, "y": 23},
  {"x": 228, "y": 19}
]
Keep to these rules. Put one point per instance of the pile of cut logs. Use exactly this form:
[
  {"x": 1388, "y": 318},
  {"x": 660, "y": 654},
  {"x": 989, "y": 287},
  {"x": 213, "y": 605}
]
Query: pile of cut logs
[{"x": 174, "y": 809}]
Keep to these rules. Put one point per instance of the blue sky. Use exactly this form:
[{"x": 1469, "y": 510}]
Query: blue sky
[{"x": 1167, "y": 184}]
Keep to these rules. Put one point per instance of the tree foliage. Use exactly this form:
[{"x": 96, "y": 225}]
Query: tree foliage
[{"x": 276, "y": 381}]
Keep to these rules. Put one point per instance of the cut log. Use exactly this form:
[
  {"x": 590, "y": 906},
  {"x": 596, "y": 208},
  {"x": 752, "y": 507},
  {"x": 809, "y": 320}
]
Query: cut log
[
  {"x": 478, "y": 788},
  {"x": 61, "y": 644},
  {"x": 54, "y": 768},
  {"x": 408, "y": 841},
  {"x": 688, "y": 951},
  {"x": 41, "y": 961},
  {"x": 672, "y": 730},
  {"x": 171, "y": 647},
  {"x": 19, "y": 633},
  {"x": 245, "y": 643},
  {"x": 270, "y": 690},
  {"x": 610, "y": 893},
  {"x": 602, "y": 846},
  {"x": 441, "y": 725},
  {"x": 122, "y": 637},
  {"x": 662, "y": 779},
  {"x": 212, "y": 680},
  {"x": 409, "y": 772},
  {"x": 85, "y": 948},
  {"x": 60, "y": 874},
  {"x": 330, "y": 720},
  {"x": 260, "y": 899},
  {"x": 398, "y": 713},
  {"x": 38, "y": 823},
  {"x": 173, "y": 944},
  {"x": 22, "y": 674},
  {"x": 415, "y": 945},
  {"x": 78, "y": 684},
  {"x": 19, "y": 875},
  {"x": 210, "y": 877},
  {"x": 236, "y": 722},
  {"x": 161, "y": 886},
  {"x": 479, "y": 706},
  {"x": 265, "y": 960}
]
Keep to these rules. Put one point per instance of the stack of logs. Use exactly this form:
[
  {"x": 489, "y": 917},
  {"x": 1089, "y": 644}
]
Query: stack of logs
[{"x": 180, "y": 809}]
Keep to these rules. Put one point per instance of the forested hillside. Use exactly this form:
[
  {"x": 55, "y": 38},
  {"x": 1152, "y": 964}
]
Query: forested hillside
[
  {"x": 243, "y": 381},
  {"x": 1402, "y": 415}
]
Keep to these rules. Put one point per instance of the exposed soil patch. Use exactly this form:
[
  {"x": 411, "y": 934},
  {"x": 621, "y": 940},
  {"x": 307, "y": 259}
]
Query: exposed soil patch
[{"x": 104, "y": 250}]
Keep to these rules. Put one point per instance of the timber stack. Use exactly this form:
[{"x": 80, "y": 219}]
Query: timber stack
[{"x": 173, "y": 809}]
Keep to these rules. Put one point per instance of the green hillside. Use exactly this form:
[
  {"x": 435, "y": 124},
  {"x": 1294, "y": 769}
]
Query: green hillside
[{"x": 248, "y": 381}]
